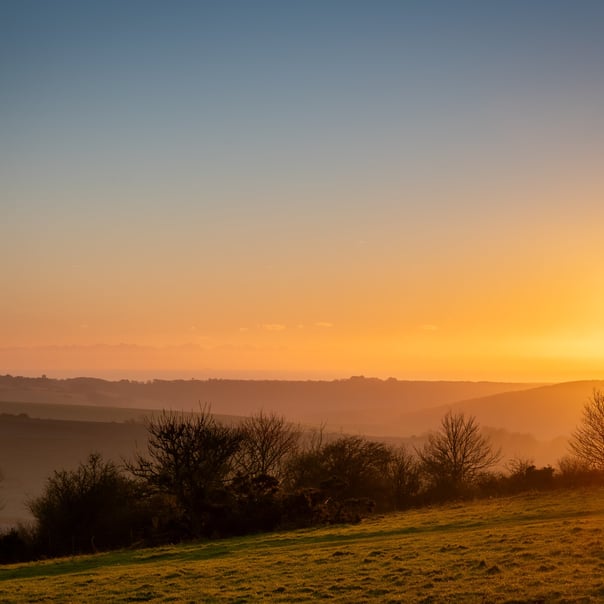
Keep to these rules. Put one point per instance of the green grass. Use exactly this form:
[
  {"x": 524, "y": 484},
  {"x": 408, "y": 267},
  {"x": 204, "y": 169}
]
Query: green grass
[{"x": 530, "y": 548}]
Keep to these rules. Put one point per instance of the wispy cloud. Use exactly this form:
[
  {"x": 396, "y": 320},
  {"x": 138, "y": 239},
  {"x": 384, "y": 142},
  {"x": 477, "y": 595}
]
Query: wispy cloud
[
  {"x": 273, "y": 326},
  {"x": 324, "y": 324},
  {"x": 428, "y": 327}
]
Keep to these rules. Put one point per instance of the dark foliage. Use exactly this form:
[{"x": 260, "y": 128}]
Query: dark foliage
[
  {"x": 202, "y": 479},
  {"x": 525, "y": 476},
  {"x": 347, "y": 468},
  {"x": 91, "y": 508},
  {"x": 189, "y": 458},
  {"x": 17, "y": 545},
  {"x": 575, "y": 472},
  {"x": 302, "y": 508},
  {"x": 257, "y": 503}
]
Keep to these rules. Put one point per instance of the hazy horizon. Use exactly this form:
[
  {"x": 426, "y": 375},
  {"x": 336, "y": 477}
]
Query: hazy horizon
[
  {"x": 205, "y": 374},
  {"x": 62, "y": 363},
  {"x": 390, "y": 189}
]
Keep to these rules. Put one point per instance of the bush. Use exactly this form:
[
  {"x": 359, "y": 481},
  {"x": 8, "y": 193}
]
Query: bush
[
  {"x": 92, "y": 507},
  {"x": 190, "y": 459},
  {"x": 576, "y": 472},
  {"x": 257, "y": 503},
  {"x": 17, "y": 545}
]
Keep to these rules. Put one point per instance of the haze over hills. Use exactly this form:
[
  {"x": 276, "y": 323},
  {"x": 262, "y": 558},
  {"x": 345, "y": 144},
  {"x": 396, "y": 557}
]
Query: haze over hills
[
  {"x": 32, "y": 449},
  {"x": 48, "y": 424},
  {"x": 546, "y": 412},
  {"x": 358, "y": 403}
]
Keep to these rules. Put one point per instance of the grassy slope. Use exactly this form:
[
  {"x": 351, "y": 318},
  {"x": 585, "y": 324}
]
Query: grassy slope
[{"x": 530, "y": 548}]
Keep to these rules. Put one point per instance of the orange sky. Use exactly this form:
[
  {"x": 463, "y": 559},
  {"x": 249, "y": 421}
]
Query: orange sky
[{"x": 402, "y": 192}]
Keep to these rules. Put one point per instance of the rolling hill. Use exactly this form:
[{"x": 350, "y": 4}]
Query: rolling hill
[
  {"x": 47, "y": 425},
  {"x": 357, "y": 404},
  {"x": 537, "y": 547},
  {"x": 546, "y": 412}
]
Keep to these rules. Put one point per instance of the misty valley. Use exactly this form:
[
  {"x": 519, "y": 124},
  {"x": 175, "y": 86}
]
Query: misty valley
[
  {"x": 86, "y": 473},
  {"x": 48, "y": 425}
]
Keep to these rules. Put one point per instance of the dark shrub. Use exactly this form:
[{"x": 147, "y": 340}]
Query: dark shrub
[
  {"x": 92, "y": 507},
  {"x": 189, "y": 458},
  {"x": 17, "y": 545}
]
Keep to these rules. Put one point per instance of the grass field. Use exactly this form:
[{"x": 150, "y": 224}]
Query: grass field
[{"x": 529, "y": 548}]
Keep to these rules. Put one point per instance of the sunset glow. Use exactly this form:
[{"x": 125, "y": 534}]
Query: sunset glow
[{"x": 302, "y": 190}]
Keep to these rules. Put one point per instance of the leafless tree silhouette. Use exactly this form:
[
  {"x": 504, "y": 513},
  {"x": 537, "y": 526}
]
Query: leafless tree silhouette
[
  {"x": 403, "y": 476},
  {"x": 268, "y": 441},
  {"x": 190, "y": 457},
  {"x": 454, "y": 456},
  {"x": 587, "y": 441}
]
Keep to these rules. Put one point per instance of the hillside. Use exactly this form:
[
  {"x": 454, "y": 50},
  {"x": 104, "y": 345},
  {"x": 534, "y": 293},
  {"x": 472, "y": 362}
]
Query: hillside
[
  {"x": 58, "y": 432},
  {"x": 366, "y": 405},
  {"x": 546, "y": 412},
  {"x": 546, "y": 547},
  {"x": 31, "y": 449}
]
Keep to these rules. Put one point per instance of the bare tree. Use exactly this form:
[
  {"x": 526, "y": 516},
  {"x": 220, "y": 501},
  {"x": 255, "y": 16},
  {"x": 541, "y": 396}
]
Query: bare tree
[
  {"x": 587, "y": 441},
  {"x": 403, "y": 477},
  {"x": 189, "y": 457},
  {"x": 268, "y": 441},
  {"x": 455, "y": 456},
  {"x": 574, "y": 471}
]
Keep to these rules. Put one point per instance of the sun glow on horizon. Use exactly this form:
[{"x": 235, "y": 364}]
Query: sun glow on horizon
[{"x": 319, "y": 190}]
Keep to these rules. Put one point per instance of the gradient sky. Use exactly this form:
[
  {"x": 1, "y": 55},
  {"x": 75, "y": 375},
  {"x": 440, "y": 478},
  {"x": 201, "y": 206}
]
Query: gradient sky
[{"x": 309, "y": 189}]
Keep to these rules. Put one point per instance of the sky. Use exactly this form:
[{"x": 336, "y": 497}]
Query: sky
[{"x": 317, "y": 189}]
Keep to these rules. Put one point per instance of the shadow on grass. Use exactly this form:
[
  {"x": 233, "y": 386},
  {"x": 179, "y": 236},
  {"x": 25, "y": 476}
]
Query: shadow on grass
[{"x": 320, "y": 536}]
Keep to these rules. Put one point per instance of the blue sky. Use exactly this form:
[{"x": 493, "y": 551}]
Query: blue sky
[{"x": 313, "y": 151}]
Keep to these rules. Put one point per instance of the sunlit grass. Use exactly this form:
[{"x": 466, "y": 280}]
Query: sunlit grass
[{"x": 538, "y": 547}]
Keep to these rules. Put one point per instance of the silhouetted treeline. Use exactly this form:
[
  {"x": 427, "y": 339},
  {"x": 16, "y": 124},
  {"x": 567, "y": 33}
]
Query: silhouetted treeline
[{"x": 201, "y": 479}]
